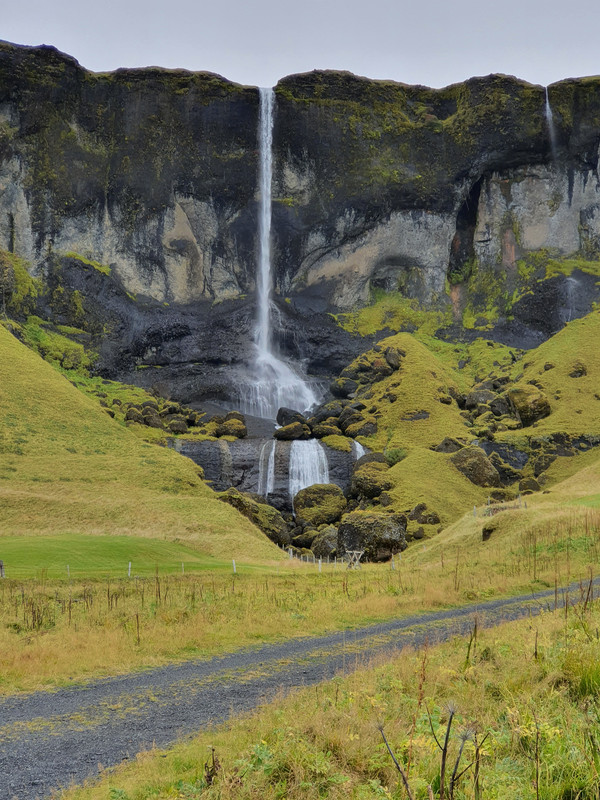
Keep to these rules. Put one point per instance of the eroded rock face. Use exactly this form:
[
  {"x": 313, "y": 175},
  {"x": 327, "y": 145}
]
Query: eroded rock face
[{"x": 268, "y": 519}]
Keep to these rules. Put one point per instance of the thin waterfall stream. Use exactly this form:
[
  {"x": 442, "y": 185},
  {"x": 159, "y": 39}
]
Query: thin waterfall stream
[{"x": 274, "y": 383}]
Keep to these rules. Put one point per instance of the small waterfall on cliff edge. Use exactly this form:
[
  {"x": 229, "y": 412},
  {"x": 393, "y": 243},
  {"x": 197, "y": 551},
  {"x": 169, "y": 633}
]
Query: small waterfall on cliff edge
[
  {"x": 550, "y": 124},
  {"x": 308, "y": 465},
  {"x": 266, "y": 468},
  {"x": 273, "y": 383},
  {"x": 358, "y": 450}
]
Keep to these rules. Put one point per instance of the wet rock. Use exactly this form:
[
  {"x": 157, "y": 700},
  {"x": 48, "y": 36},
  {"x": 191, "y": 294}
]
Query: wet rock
[
  {"x": 287, "y": 416},
  {"x": 320, "y": 504},
  {"x": 379, "y": 535}
]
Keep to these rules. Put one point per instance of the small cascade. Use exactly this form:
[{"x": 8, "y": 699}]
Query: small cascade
[
  {"x": 571, "y": 286},
  {"x": 273, "y": 382},
  {"x": 308, "y": 465},
  {"x": 266, "y": 468},
  {"x": 358, "y": 450},
  {"x": 550, "y": 126}
]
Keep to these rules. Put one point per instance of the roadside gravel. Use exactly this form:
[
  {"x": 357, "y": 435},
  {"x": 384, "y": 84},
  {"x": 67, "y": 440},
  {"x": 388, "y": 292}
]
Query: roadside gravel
[{"x": 51, "y": 739}]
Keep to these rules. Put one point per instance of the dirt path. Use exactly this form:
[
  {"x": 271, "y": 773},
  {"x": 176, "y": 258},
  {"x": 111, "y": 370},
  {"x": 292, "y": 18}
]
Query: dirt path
[{"x": 51, "y": 739}]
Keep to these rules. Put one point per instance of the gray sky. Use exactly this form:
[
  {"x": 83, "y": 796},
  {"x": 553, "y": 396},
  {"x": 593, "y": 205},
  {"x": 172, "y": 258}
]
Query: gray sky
[{"x": 259, "y": 41}]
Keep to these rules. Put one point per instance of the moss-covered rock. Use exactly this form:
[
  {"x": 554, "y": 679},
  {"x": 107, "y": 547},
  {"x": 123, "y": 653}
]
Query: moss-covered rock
[
  {"x": 232, "y": 426},
  {"x": 322, "y": 429},
  {"x": 324, "y": 544},
  {"x": 379, "y": 535},
  {"x": 293, "y": 431},
  {"x": 343, "y": 387},
  {"x": 529, "y": 402},
  {"x": 265, "y": 517},
  {"x": 320, "y": 504},
  {"x": 366, "y": 427},
  {"x": 370, "y": 479},
  {"x": 476, "y": 466}
]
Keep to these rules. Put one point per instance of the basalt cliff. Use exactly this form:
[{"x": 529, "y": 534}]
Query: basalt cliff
[{"x": 133, "y": 196}]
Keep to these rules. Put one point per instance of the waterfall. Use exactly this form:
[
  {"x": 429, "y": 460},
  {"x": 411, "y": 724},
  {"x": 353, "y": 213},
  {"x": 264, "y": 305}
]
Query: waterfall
[
  {"x": 308, "y": 465},
  {"x": 358, "y": 450},
  {"x": 274, "y": 383},
  {"x": 550, "y": 126},
  {"x": 266, "y": 468}
]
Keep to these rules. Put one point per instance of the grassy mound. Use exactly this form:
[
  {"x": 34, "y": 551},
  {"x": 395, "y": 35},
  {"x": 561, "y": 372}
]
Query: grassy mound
[{"x": 67, "y": 467}]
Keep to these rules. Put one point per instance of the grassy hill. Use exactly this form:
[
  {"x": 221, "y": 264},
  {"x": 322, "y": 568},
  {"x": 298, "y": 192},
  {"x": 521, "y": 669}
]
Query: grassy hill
[{"x": 66, "y": 467}]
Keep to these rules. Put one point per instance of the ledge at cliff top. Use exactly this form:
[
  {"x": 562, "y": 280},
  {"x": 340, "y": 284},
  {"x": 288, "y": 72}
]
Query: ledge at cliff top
[{"x": 153, "y": 173}]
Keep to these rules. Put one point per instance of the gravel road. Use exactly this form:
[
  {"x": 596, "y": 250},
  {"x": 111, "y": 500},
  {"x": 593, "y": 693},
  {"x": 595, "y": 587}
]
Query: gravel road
[{"x": 51, "y": 739}]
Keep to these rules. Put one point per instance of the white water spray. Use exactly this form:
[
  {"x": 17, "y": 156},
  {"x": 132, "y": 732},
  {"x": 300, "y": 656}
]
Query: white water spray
[
  {"x": 308, "y": 465},
  {"x": 550, "y": 126},
  {"x": 274, "y": 383},
  {"x": 358, "y": 450}
]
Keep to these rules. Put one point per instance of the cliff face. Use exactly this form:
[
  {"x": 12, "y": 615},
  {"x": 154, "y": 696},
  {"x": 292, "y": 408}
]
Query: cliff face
[
  {"x": 153, "y": 173},
  {"x": 150, "y": 172}
]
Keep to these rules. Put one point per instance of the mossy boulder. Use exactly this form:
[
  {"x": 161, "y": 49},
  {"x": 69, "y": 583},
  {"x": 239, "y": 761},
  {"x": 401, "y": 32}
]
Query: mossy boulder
[
  {"x": 528, "y": 485},
  {"x": 379, "y": 535},
  {"x": 296, "y": 430},
  {"x": 232, "y": 426},
  {"x": 370, "y": 479},
  {"x": 265, "y": 517},
  {"x": 320, "y": 503},
  {"x": 177, "y": 425},
  {"x": 529, "y": 402},
  {"x": 286, "y": 416},
  {"x": 343, "y": 387},
  {"x": 324, "y": 544},
  {"x": 476, "y": 466},
  {"x": 366, "y": 427},
  {"x": 322, "y": 429},
  {"x": 479, "y": 397}
]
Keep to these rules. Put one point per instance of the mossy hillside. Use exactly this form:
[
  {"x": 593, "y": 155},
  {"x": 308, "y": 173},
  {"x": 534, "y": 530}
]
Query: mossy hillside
[
  {"x": 408, "y": 401},
  {"x": 67, "y": 467},
  {"x": 566, "y": 369}
]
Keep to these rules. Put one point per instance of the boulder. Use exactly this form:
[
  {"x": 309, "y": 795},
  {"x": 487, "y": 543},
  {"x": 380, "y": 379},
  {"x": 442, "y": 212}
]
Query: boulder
[
  {"x": 134, "y": 415},
  {"x": 287, "y": 416},
  {"x": 235, "y": 415},
  {"x": 379, "y": 535},
  {"x": 325, "y": 429},
  {"x": 324, "y": 544},
  {"x": 367, "y": 427},
  {"x": 529, "y": 402},
  {"x": 479, "y": 397},
  {"x": 476, "y": 466},
  {"x": 448, "y": 445},
  {"x": 232, "y": 426},
  {"x": 368, "y": 458},
  {"x": 296, "y": 430},
  {"x": 499, "y": 407},
  {"x": 265, "y": 517},
  {"x": 394, "y": 356},
  {"x": 528, "y": 485},
  {"x": 369, "y": 480},
  {"x": 343, "y": 387},
  {"x": 177, "y": 426},
  {"x": 507, "y": 473},
  {"x": 320, "y": 504}
]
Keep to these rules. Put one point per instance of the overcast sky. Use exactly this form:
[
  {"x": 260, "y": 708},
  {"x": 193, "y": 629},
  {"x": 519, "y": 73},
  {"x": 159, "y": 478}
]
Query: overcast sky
[{"x": 259, "y": 41}]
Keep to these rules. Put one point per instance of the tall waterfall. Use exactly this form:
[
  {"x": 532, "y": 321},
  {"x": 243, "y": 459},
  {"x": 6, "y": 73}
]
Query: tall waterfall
[
  {"x": 550, "y": 125},
  {"x": 274, "y": 383},
  {"x": 308, "y": 465}
]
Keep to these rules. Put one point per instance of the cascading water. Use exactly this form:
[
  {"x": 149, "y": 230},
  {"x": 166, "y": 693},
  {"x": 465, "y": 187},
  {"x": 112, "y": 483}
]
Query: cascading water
[
  {"x": 550, "y": 125},
  {"x": 308, "y": 465},
  {"x": 358, "y": 450},
  {"x": 266, "y": 468},
  {"x": 274, "y": 383}
]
